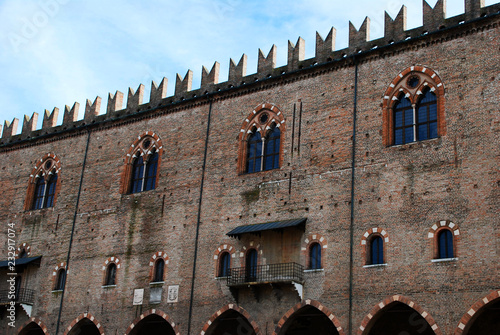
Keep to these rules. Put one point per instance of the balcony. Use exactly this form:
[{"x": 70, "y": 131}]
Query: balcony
[
  {"x": 266, "y": 274},
  {"x": 23, "y": 296}
]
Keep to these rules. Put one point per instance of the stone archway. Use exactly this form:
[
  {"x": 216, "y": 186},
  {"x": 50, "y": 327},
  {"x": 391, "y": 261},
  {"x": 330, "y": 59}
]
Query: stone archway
[
  {"x": 231, "y": 319},
  {"x": 33, "y": 327},
  {"x": 309, "y": 317},
  {"x": 482, "y": 318},
  {"x": 85, "y": 324},
  {"x": 152, "y": 322}
]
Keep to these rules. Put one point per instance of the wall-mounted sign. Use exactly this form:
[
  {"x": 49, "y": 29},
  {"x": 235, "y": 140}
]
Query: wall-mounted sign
[
  {"x": 173, "y": 293},
  {"x": 138, "y": 296}
]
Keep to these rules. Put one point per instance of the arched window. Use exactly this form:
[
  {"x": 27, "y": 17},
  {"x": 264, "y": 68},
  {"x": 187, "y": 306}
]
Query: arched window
[
  {"x": 60, "y": 280},
  {"x": 159, "y": 270},
  {"x": 315, "y": 256},
  {"x": 143, "y": 160},
  {"x": 261, "y": 140},
  {"x": 414, "y": 107},
  {"x": 376, "y": 250},
  {"x": 403, "y": 121},
  {"x": 251, "y": 266},
  {"x": 45, "y": 191},
  {"x": 110, "y": 274},
  {"x": 445, "y": 244},
  {"x": 272, "y": 149},
  {"x": 254, "y": 152},
  {"x": 224, "y": 264}
]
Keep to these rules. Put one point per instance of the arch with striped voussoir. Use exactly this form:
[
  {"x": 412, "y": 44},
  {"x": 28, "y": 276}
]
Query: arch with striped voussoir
[
  {"x": 110, "y": 270},
  {"x": 59, "y": 276},
  {"x": 444, "y": 237},
  {"x": 84, "y": 320},
  {"x": 479, "y": 315},
  {"x": 314, "y": 251},
  {"x": 142, "y": 164},
  {"x": 423, "y": 322},
  {"x": 325, "y": 319},
  {"x": 261, "y": 139},
  {"x": 223, "y": 257},
  {"x": 419, "y": 92},
  {"x": 33, "y": 324},
  {"x": 23, "y": 250},
  {"x": 44, "y": 183},
  {"x": 213, "y": 325},
  {"x": 370, "y": 237},
  {"x": 152, "y": 316},
  {"x": 158, "y": 266}
]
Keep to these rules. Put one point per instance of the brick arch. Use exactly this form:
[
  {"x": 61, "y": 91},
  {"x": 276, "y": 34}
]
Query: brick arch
[
  {"x": 275, "y": 117},
  {"x": 429, "y": 78},
  {"x": 221, "y": 249},
  {"x": 399, "y": 298},
  {"x": 318, "y": 306},
  {"x": 111, "y": 259},
  {"x": 436, "y": 228},
  {"x": 82, "y": 316},
  {"x": 466, "y": 318},
  {"x": 159, "y": 254},
  {"x": 151, "y": 312},
  {"x": 40, "y": 170},
  {"x": 365, "y": 239},
  {"x": 36, "y": 321},
  {"x": 308, "y": 242},
  {"x": 24, "y": 246},
  {"x": 134, "y": 149},
  {"x": 57, "y": 268},
  {"x": 236, "y": 308}
]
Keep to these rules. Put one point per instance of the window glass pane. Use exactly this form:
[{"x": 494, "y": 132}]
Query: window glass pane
[
  {"x": 254, "y": 152},
  {"x": 225, "y": 265},
  {"x": 51, "y": 190},
  {"x": 398, "y": 119},
  {"x": 39, "y": 192},
  {"x": 408, "y": 134},
  {"x": 445, "y": 241},
  {"x": 433, "y": 112},
  {"x": 137, "y": 175},
  {"x": 422, "y": 132},
  {"x": 408, "y": 117},
  {"x": 377, "y": 250},
  {"x": 111, "y": 274},
  {"x": 398, "y": 136},
  {"x": 151, "y": 167},
  {"x": 159, "y": 267},
  {"x": 422, "y": 114},
  {"x": 315, "y": 256},
  {"x": 433, "y": 130}
]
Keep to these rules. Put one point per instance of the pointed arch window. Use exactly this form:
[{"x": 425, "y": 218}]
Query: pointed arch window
[
  {"x": 42, "y": 188},
  {"x": 414, "y": 107},
  {"x": 261, "y": 140},
  {"x": 143, "y": 165}
]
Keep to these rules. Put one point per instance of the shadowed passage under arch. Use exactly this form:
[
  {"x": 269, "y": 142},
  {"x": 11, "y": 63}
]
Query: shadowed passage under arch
[
  {"x": 230, "y": 322},
  {"x": 308, "y": 320},
  {"x": 152, "y": 324}
]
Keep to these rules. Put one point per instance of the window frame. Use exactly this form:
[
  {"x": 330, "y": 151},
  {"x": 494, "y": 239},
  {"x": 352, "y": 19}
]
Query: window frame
[
  {"x": 60, "y": 281},
  {"x": 263, "y": 119},
  {"x": 43, "y": 184},
  {"x": 413, "y": 83},
  {"x": 315, "y": 263},
  {"x": 110, "y": 276},
  {"x": 224, "y": 269},
  {"x": 378, "y": 253}
]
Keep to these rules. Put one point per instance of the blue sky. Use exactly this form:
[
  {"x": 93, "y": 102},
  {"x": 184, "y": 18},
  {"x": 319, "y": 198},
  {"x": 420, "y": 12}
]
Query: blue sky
[{"x": 56, "y": 52}]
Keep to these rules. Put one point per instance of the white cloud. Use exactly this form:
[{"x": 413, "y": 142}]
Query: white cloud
[{"x": 69, "y": 50}]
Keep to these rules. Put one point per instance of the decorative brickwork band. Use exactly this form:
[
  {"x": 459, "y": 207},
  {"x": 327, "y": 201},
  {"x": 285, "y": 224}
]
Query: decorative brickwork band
[
  {"x": 48, "y": 166},
  {"x": 80, "y": 318},
  {"x": 394, "y": 299},
  {"x": 33, "y": 322},
  {"x": 235, "y": 308},
  {"x": 153, "y": 312},
  {"x": 469, "y": 317},
  {"x": 308, "y": 302},
  {"x": 412, "y": 83}
]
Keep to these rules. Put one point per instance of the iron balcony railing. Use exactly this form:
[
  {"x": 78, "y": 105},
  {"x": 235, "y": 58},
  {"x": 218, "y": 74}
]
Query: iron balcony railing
[
  {"x": 23, "y": 296},
  {"x": 262, "y": 274}
]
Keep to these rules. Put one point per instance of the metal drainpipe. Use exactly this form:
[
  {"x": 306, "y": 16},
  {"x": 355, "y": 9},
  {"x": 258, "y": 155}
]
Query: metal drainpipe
[
  {"x": 353, "y": 171},
  {"x": 198, "y": 221},
  {"x": 73, "y": 230}
]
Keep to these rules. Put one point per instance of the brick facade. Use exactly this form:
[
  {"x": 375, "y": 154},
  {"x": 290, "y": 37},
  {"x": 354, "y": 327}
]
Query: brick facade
[{"x": 338, "y": 169}]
